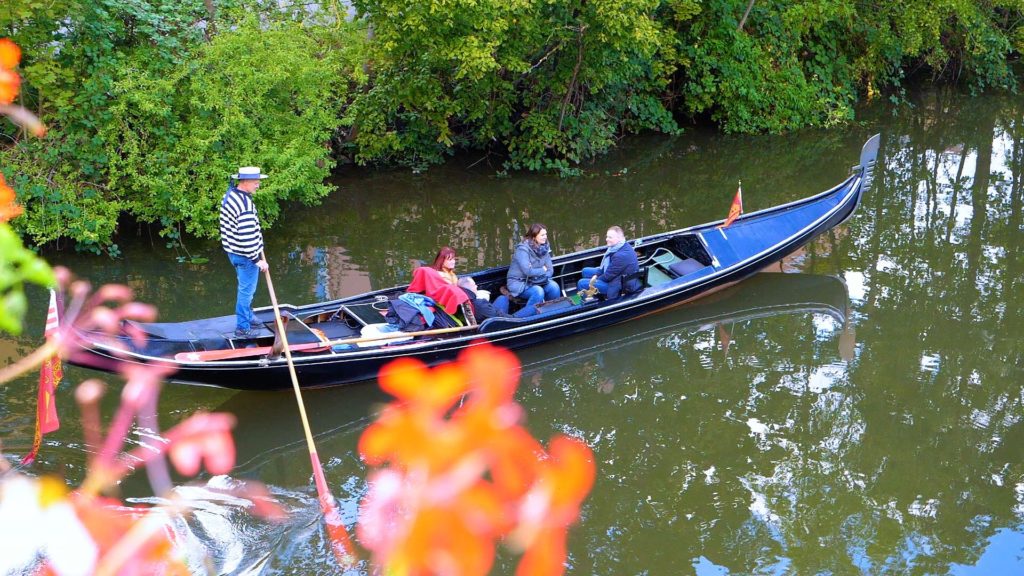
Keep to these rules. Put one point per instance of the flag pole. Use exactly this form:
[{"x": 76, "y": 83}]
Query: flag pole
[{"x": 734, "y": 210}]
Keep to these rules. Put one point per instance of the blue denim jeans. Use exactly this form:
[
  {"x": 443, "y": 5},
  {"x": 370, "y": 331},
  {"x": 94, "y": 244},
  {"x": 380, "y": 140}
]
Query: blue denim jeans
[
  {"x": 502, "y": 303},
  {"x": 248, "y": 277},
  {"x": 584, "y": 282},
  {"x": 534, "y": 295}
]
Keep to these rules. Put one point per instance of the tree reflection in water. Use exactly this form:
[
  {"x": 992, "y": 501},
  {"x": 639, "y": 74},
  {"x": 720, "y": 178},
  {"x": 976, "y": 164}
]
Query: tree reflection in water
[{"x": 898, "y": 454}]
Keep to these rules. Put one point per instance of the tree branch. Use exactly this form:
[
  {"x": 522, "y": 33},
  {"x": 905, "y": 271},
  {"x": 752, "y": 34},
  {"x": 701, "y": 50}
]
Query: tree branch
[{"x": 745, "y": 14}]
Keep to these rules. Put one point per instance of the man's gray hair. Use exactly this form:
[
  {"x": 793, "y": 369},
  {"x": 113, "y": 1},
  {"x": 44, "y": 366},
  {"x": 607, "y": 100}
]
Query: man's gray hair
[{"x": 467, "y": 282}]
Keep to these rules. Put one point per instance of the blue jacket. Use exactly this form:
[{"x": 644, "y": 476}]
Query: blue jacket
[
  {"x": 527, "y": 269},
  {"x": 621, "y": 263}
]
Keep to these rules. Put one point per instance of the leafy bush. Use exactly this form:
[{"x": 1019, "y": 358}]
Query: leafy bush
[
  {"x": 151, "y": 105},
  {"x": 551, "y": 84},
  {"x": 253, "y": 96},
  {"x": 148, "y": 118}
]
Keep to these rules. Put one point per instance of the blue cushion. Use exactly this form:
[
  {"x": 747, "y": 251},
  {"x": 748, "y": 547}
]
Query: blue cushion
[{"x": 684, "y": 267}]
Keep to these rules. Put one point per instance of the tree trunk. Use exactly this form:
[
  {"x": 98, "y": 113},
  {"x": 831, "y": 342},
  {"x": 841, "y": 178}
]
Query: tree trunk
[
  {"x": 745, "y": 14},
  {"x": 211, "y": 12}
]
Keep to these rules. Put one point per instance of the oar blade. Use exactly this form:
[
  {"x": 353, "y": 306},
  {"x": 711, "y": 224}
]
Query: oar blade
[{"x": 337, "y": 535}]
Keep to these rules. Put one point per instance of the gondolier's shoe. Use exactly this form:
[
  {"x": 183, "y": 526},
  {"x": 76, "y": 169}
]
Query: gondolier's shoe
[{"x": 244, "y": 333}]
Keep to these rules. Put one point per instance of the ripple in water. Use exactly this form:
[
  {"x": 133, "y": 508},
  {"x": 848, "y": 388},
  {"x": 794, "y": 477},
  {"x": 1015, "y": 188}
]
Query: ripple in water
[{"x": 223, "y": 536}]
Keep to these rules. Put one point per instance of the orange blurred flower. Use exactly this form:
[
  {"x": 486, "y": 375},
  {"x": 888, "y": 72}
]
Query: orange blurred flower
[
  {"x": 9, "y": 208},
  {"x": 552, "y": 505},
  {"x": 203, "y": 438},
  {"x": 461, "y": 473},
  {"x": 10, "y": 55},
  {"x": 130, "y": 540},
  {"x": 10, "y": 84}
]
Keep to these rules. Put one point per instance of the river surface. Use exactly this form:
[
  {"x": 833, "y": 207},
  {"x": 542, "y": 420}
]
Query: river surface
[{"x": 860, "y": 413}]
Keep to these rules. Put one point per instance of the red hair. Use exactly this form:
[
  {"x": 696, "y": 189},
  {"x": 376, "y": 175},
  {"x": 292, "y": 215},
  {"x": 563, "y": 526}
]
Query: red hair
[{"x": 442, "y": 255}]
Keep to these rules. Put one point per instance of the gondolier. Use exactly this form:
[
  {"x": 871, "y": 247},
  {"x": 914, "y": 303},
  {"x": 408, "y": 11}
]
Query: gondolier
[{"x": 242, "y": 239}]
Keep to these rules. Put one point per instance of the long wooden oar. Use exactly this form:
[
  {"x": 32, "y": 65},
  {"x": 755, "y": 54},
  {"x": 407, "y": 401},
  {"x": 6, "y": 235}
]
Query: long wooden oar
[
  {"x": 236, "y": 353},
  {"x": 341, "y": 545}
]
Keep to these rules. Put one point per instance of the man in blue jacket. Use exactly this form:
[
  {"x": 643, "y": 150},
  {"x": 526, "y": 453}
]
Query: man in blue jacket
[{"x": 617, "y": 273}]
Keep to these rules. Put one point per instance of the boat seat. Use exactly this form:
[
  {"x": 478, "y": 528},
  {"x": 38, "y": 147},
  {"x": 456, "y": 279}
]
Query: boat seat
[
  {"x": 640, "y": 274},
  {"x": 656, "y": 276},
  {"x": 335, "y": 330},
  {"x": 684, "y": 267},
  {"x": 365, "y": 314}
]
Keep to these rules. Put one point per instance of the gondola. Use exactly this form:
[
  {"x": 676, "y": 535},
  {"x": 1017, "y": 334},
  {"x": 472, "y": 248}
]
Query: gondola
[{"x": 341, "y": 341}]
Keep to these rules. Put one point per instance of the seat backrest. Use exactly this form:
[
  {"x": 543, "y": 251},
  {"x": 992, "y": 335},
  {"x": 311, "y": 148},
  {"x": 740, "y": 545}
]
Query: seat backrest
[{"x": 627, "y": 279}]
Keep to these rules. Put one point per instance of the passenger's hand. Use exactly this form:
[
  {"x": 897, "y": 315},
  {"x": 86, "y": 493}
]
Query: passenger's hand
[{"x": 263, "y": 266}]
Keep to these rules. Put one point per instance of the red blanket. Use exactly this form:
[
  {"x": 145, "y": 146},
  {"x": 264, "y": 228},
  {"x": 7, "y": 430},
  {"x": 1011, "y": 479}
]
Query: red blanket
[{"x": 426, "y": 280}]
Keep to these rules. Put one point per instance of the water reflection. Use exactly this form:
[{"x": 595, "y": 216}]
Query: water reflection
[
  {"x": 701, "y": 438},
  {"x": 886, "y": 444},
  {"x": 597, "y": 369}
]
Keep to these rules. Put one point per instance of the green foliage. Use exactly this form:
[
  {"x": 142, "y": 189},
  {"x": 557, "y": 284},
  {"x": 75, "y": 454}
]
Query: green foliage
[
  {"x": 252, "y": 96},
  {"x": 58, "y": 204},
  {"x": 18, "y": 265},
  {"x": 148, "y": 118},
  {"x": 955, "y": 40},
  {"x": 70, "y": 65},
  {"x": 785, "y": 69},
  {"x": 551, "y": 83},
  {"x": 806, "y": 63},
  {"x": 152, "y": 104}
]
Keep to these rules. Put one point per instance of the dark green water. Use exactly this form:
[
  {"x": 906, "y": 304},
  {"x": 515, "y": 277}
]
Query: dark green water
[{"x": 862, "y": 416}]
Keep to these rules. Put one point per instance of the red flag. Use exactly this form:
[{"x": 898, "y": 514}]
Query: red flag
[
  {"x": 737, "y": 207},
  {"x": 50, "y": 375}
]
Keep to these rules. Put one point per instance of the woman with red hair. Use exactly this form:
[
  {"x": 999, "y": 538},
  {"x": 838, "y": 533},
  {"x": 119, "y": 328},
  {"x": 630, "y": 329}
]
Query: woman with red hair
[
  {"x": 444, "y": 263},
  {"x": 439, "y": 281}
]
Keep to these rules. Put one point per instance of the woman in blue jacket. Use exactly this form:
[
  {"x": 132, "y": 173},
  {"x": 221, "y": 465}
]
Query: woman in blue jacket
[{"x": 529, "y": 275}]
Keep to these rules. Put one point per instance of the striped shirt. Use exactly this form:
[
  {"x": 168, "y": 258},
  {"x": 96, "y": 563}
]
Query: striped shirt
[{"x": 240, "y": 231}]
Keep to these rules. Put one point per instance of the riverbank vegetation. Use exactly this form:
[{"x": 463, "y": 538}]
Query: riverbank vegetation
[{"x": 151, "y": 105}]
